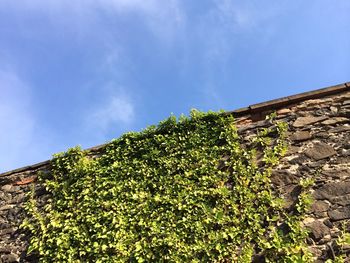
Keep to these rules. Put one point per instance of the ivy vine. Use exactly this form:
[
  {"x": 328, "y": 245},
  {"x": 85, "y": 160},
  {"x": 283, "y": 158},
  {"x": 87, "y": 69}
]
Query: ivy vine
[{"x": 186, "y": 190}]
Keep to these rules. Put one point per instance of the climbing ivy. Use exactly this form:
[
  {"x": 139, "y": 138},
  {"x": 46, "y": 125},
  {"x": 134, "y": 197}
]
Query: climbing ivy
[
  {"x": 182, "y": 191},
  {"x": 343, "y": 240}
]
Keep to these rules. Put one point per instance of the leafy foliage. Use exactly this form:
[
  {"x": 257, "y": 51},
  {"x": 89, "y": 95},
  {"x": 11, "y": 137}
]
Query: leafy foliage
[
  {"x": 183, "y": 191},
  {"x": 342, "y": 241}
]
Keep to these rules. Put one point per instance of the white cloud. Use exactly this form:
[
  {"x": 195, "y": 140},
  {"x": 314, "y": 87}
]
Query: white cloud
[
  {"x": 19, "y": 140},
  {"x": 118, "y": 110}
]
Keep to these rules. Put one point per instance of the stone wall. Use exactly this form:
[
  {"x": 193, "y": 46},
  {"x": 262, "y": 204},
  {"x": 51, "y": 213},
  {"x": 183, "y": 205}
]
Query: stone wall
[
  {"x": 320, "y": 148},
  {"x": 319, "y": 137},
  {"x": 13, "y": 195}
]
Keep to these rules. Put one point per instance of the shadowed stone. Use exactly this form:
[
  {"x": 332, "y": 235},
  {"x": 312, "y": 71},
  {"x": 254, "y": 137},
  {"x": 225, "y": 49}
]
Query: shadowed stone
[
  {"x": 8, "y": 188},
  {"x": 303, "y": 121},
  {"x": 320, "y": 151},
  {"x": 341, "y": 173},
  {"x": 339, "y": 129},
  {"x": 341, "y": 200},
  {"x": 292, "y": 150},
  {"x": 319, "y": 206},
  {"x": 6, "y": 207},
  {"x": 8, "y": 231},
  {"x": 283, "y": 178},
  {"x": 340, "y": 213},
  {"x": 5, "y": 249},
  {"x": 318, "y": 230},
  {"x": 300, "y": 159},
  {"x": 343, "y": 160},
  {"x": 9, "y": 258},
  {"x": 300, "y": 136},
  {"x": 331, "y": 190},
  {"x": 4, "y": 180}
]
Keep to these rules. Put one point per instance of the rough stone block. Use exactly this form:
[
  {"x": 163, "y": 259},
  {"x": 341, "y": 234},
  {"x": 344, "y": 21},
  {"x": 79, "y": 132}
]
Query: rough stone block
[
  {"x": 9, "y": 258},
  {"x": 341, "y": 200},
  {"x": 335, "y": 120},
  {"x": 318, "y": 230},
  {"x": 340, "y": 213},
  {"x": 331, "y": 190},
  {"x": 300, "y": 136},
  {"x": 319, "y": 207},
  {"x": 303, "y": 121},
  {"x": 320, "y": 151},
  {"x": 281, "y": 178},
  {"x": 337, "y": 173}
]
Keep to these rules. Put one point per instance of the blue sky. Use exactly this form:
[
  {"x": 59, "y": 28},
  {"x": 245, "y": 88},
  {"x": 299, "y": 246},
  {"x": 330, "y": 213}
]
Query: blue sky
[{"x": 81, "y": 72}]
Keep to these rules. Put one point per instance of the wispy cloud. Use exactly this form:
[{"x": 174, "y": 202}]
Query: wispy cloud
[
  {"x": 83, "y": 16},
  {"x": 249, "y": 15},
  {"x": 20, "y": 142},
  {"x": 231, "y": 20},
  {"x": 116, "y": 111},
  {"x": 221, "y": 31}
]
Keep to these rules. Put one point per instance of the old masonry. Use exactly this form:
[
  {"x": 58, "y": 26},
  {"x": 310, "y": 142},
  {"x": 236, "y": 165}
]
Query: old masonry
[{"x": 319, "y": 139}]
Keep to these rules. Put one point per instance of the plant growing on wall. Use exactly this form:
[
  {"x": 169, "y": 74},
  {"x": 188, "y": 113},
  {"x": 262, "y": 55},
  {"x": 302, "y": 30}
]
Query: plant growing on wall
[{"x": 182, "y": 191}]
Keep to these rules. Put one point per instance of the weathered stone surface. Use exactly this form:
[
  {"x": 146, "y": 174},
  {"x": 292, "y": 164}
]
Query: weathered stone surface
[
  {"x": 280, "y": 178},
  {"x": 337, "y": 173},
  {"x": 333, "y": 109},
  {"x": 6, "y": 207},
  {"x": 4, "y": 196},
  {"x": 324, "y": 119},
  {"x": 316, "y": 164},
  {"x": 283, "y": 111},
  {"x": 254, "y": 125},
  {"x": 292, "y": 150},
  {"x": 339, "y": 214},
  {"x": 344, "y": 112},
  {"x": 345, "y": 152},
  {"x": 323, "y": 135},
  {"x": 318, "y": 230},
  {"x": 4, "y": 225},
  {"x": 300, "y": 136},
  {"x": 8, "y": 188},
  {"x": 291, "y": 195},
  {"x": 335, "y": 120},
  {"x": 331, "y": 190},
  {"x": 303, "y": 121},
  {"x": 320, "y": 151},
  {"x": 5, "y": 180},
  {"x": 342, "y": 160},
  {"x": 18, "y": 198},
  {"x": 7, "y": 230},
  {"x": 319, "y": 206},
  {"x": 300, "y": 159},
  {"x": 317, "y": 102},
  {"x": 341, "y": 200},
  {"x": 5, "y": 249},
  {"x": 328, "y": 223},
  {"x": 316, "y": 252},
  {"x": 9, "y": 258}
]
